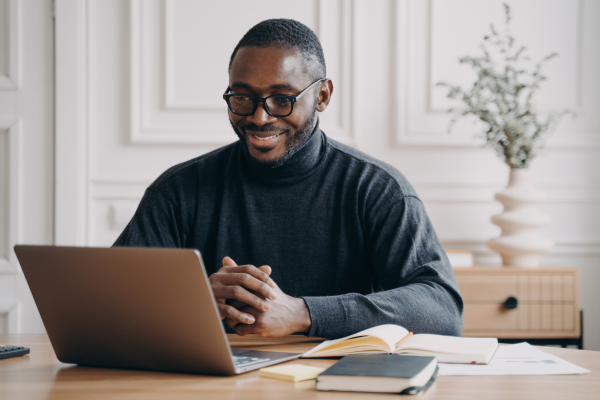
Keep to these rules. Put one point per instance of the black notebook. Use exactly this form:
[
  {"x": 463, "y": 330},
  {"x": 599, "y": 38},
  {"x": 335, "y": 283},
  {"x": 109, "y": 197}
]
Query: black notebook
[{"x": 381, "y": 373}]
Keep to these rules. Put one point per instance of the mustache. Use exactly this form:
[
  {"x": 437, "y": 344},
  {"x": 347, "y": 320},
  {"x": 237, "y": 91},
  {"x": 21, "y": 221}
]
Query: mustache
[{"x": 264, "y": 128}]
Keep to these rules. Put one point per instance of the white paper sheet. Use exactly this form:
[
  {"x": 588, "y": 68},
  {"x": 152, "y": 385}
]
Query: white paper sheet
[{"x": 516, "y": 359}]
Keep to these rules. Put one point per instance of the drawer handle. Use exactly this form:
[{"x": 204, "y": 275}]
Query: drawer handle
[{"x": 511, "y": 303}]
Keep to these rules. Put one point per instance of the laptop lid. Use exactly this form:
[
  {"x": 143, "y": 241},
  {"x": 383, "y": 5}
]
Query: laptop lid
[{"x": 123, "y": 307}]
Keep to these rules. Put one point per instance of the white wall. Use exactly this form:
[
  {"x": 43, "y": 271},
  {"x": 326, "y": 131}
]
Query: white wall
[{"x": 139, "y": 87}]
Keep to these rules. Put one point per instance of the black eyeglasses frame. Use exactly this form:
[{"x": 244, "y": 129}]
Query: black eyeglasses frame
[{"x": 256, "y": 100}]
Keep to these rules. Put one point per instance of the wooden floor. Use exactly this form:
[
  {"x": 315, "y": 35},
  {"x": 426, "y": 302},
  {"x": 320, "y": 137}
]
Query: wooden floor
[{"x": 41, "y": 376}]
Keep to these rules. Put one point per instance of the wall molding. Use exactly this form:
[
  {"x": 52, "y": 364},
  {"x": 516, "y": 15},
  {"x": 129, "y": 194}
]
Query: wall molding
[
  {"x": 11, "y": 127},
  {"x": 72, "y": 83},
  {"x": 107, "y": 187},
  {"x": 561, "y": 249},
  {"x": 339, "y": 35},
  {"x": 407, "y": 14},
  {"x": 579, "y": 67},
  {"x": 11, "y": 79},
  {"x": 8, "y": 315},
  {"x": 465, "y": 193},
  {"x": 151, "y": 118}
]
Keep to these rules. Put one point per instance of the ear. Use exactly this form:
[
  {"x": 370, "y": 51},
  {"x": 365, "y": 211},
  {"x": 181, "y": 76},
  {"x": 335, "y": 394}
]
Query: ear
[{"x": 324, "y": 96}]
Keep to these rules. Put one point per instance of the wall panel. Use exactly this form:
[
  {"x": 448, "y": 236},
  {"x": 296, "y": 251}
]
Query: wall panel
[
  {"x": 432, "y": 35},
  {"x": 179, "y": 68},
  {"x": 9, "y": 194},
  {"x": 10, "y": 45},
  {"x": 4, "y": 194}
]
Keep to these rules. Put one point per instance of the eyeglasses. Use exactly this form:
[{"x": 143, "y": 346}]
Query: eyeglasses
[{"x": 277, "y": 105}]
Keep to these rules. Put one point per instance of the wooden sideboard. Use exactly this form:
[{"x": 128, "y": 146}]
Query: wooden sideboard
[{"x": 521, "y": 303}]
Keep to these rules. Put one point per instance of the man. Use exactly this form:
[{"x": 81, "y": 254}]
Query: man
[{"x": 343, "y": 241}]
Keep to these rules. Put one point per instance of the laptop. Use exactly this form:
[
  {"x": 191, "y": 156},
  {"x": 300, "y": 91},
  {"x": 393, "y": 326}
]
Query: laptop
[{"x": 133, "y": 308}]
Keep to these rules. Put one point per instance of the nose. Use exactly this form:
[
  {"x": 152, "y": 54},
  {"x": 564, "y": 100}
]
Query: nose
[{"x": 260, "y": 116}]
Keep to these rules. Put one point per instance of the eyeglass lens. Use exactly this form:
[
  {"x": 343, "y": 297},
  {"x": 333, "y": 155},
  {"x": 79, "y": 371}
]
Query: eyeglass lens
[{"x": 276, "y": 105}]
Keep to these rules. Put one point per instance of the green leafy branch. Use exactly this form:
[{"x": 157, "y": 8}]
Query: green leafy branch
[{"x": 502, "y": 97}]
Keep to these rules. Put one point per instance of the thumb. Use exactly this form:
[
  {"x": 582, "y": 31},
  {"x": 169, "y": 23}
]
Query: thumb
[
  {"x": 266, "y": 269},
  {"x": 228, "y": 262}
]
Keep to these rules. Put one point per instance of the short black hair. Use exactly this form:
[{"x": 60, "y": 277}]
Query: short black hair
[{"x": 287, "y": 34}]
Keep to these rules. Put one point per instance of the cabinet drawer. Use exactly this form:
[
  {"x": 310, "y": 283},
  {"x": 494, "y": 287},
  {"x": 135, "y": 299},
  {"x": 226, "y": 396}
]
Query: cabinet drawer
[
  {"x": 476, "y": 288},
  {"x": 481, "y": 317},
  {"x": 547, "y": 302}
]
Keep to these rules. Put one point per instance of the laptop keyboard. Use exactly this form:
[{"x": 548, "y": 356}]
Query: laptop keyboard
[{"x": 241, "y": 361}]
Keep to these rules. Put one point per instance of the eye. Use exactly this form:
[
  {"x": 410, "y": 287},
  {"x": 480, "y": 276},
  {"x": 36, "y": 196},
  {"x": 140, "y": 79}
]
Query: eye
[
  {"x": 281, "y": 101},
  {"x": 240, "y": 98}
]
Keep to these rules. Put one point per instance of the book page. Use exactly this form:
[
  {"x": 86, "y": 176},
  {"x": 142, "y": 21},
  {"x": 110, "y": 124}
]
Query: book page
[
  {"x": 449, "y": 344},
  {"x": 389, "y": 334}
]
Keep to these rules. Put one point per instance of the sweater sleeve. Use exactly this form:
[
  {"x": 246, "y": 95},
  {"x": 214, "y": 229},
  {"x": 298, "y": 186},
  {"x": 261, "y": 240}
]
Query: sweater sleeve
[
  {"x": 154, "y": 224},
  {"x": 417, "y": 287}
]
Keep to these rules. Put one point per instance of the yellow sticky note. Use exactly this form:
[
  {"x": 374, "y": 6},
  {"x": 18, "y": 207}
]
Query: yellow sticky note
[{"x": 291, "y": 373}]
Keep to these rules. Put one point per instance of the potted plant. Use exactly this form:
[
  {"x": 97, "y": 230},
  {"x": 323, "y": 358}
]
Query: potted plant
[{"x": 502, "y": 98}]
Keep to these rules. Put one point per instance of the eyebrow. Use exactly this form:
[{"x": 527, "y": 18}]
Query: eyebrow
[{"x": 278, "y": 86}]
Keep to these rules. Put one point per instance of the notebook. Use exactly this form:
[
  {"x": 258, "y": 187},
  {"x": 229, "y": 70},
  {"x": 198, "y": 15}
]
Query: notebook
[
  {"x": 396, "y": 339},
  {"x": 380, "y": 373}
]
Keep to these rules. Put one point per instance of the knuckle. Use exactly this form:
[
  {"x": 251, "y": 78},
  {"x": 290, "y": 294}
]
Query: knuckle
[
  {"x": 229, "y": 312},
  {"x": 245, "y": 278}
]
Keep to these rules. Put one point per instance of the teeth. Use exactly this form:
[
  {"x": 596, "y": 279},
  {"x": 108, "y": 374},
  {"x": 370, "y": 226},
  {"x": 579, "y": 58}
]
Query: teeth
[{"x": 267, "y": 138}]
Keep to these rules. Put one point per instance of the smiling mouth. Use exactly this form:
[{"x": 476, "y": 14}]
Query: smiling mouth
[{"x": 267, "y": 138}]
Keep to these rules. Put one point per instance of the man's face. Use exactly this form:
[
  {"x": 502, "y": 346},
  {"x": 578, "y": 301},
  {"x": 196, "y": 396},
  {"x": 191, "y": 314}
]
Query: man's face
[{"x": 262, "y": 72}]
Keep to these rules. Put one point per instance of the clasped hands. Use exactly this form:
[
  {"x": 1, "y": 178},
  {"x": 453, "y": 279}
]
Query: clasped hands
[{"x": 251, "y": 302}]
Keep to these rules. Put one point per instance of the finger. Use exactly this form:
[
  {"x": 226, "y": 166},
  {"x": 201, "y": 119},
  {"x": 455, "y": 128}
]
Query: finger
[
  {"x": 243, "y": 330},
  {"x": 236, "y": 303},
  {"x": 239, "y": 293},
  {"x": 250, "y": 270},
  {"x": 234, "y": 314},
  {"x": 267, "y": 270},
  {"x": 232, "y": 324},
  {"x": 249, "y": 282},
  {"x": 228, "y": 262}
]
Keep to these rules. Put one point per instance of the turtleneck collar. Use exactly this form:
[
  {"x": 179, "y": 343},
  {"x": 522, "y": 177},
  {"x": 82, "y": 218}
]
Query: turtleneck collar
[{"x": 301, "y": 164}]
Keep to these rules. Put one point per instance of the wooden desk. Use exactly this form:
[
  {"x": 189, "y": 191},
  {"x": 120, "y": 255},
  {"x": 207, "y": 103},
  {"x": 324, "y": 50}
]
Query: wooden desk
[{"x": 41, "y": 376}]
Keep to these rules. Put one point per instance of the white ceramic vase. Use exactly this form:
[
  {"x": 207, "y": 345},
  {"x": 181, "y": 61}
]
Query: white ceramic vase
[{"x": 521, "y": 242}]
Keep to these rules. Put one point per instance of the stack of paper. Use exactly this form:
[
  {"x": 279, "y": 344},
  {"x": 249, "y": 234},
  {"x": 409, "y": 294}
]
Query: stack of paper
[{"x": 516, "y": 359}]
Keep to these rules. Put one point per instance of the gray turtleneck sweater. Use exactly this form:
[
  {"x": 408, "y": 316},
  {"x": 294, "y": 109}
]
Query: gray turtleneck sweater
[{"x": 344, "y": 231}]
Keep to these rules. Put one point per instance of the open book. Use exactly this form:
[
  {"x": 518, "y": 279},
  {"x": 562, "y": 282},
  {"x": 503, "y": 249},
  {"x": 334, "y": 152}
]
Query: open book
[{"x": 395, "y": 339}]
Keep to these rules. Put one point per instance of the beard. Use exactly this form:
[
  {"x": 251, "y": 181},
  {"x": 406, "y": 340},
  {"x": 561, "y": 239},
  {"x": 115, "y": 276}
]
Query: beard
[{"x": 293, "y": 143}]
